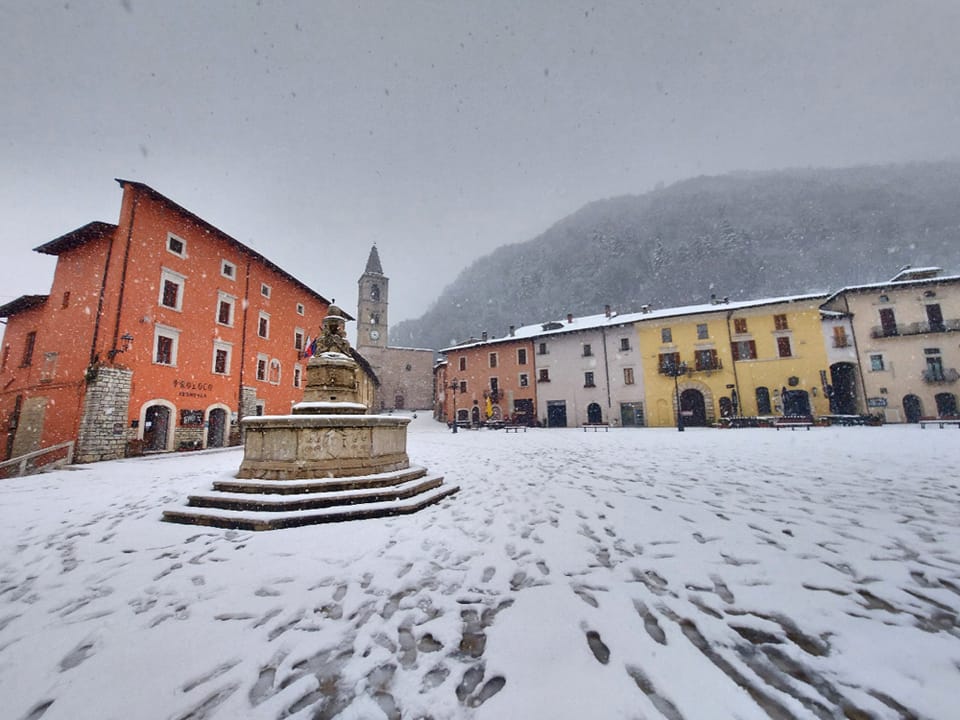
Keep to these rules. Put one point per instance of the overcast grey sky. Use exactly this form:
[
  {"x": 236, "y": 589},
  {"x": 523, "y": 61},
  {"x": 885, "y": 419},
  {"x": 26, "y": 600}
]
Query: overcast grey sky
[{"x": 440, "y": 130}]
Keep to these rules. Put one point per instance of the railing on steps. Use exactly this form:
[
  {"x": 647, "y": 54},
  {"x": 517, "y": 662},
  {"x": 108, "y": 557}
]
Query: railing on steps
[{"x": 25, "y": 467}]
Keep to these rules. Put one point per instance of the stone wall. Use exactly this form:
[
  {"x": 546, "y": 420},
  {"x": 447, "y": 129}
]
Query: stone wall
[{"x": 104, "y": 422}]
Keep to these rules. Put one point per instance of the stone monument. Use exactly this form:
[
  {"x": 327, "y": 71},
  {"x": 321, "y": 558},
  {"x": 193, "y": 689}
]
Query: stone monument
[{"x": 328, "y": 460}]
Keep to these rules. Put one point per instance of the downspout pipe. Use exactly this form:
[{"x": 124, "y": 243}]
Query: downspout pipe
[{"x": 733, "y": 360}]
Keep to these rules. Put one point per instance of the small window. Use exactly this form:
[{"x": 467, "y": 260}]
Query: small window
[
  {"x": 783, "y": 347},
  {"x": 66, "y": 300},
  {"x": 225, "y": 305},
  {"x": 408, "y": 367},
  {"x": 463, "y": 364},
  {"x": 524, "y": 380},
  {"x": 744, "y": 350},
  {"x": 588, "y": 380},
  {"x": 176, "y": 245},
  {"x": 542, "y": 349},
  {"x": 171, "y": 289},
  {"x": 228, "y": 269},
  {"x": 165, "y": 344},
  {"x": 876, "y": 363},
  {"x": 265, "y": 290},
  {"x": 375, "y": 292},
  {"x": 780, "y": 322},
  {"x": 494, "y": 384},
  {"x": 706, "y": 360},
  {"x": 740, "y": 325},
  {"x": 263, "y": 326},
  {"x": 624, "y": 344},
  {"x": 298, "y": 339},
  {"x": 274, "y": 372},
  {"x": 221, "y": 358},
  {"x": 49, "y": 370},
  {"x": 702, "y": 331},
  {"x": 28, "y": 346},
  {"x": 666, "y": 335},
  {"x": 297, "y": 375},
  {"x": 260, "y": 407},
  {"x": 668, "y": 363},
  {"x": 840, "y": 339},
  {"x": 300, "y": 309},
  {"x": 628, "y": 376},
  {"x": 521, "y": 356},
  {"x": 587, "y": 350},
  {"x": 262, "y": 361},
  {"x": 493, "y": 359},
  {"x": 463, "y": 386},
  {"x": 544, "y": 375}
]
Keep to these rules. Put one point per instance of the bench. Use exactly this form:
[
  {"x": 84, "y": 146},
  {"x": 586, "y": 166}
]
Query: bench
[
  {"x": 514, "y": 428},
  {"x": 596, "y": 427},
  {"x": 793, "y": 422},
  {"x": 941, "y": 421}
]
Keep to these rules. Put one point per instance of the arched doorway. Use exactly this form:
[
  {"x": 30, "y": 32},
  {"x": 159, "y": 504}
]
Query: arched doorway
[
  {"x": 217, "y": 428},
  {"x": 693, "y": 408},
  {"x": 946, "y": 404},
  {"x": 912, "y": 408},
  {"x": 156, "y": 428},
  {"x": 843, "y": 389},
  {"x": 795, "y": 402},
  {"x": 475, "y": 415},
  {"x": 594, "y": 413}
]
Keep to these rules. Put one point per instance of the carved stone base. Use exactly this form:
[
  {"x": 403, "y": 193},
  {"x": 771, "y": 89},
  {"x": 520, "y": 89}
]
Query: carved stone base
[{"x": 287, "y": 447}]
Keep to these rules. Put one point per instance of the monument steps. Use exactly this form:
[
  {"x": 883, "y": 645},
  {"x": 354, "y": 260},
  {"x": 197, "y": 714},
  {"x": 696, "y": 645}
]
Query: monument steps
[
  {"x": 294, "y": 487},
  {"x": 274, "y": 520},
  {"x": 313, "y": 500}
]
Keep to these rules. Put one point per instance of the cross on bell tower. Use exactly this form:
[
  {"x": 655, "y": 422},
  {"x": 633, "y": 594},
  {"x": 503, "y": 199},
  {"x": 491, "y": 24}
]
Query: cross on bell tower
[{"x": 372, "y": 304}]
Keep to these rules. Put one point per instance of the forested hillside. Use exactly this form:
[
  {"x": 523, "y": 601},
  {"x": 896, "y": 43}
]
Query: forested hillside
[{"x": 743, "y": 235}]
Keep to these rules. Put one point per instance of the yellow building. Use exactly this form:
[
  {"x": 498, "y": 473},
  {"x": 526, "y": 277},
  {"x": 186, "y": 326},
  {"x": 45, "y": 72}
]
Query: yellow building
[{"x": 753, "y": 358}]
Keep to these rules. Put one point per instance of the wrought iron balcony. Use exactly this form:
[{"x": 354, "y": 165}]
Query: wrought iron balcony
[
  {"x": 942, "y": 376},
  {"x": 708, "y": 366},
  {"x": 916, "y": 328}
]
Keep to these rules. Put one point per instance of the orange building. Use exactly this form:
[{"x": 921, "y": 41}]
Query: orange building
[
  {"x": 493, "y": 378},
  {"x": 159, "y": 333}
]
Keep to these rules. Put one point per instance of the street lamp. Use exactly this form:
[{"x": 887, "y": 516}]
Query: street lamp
[
  {"x": 675, "y": 370},
  {"x": 454, "y": 386}
]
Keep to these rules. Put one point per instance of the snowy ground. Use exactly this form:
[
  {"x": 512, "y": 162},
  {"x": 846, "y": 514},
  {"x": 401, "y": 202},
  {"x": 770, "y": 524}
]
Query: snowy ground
[{"x": 629, "y": 574}]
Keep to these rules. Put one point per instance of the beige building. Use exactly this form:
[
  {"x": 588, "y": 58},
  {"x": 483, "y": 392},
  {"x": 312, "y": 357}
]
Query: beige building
[
  {"x": 906, "y": 333},
  {"x": 405, "y": 374}
]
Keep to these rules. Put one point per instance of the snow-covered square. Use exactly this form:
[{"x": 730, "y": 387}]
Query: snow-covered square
[{"x": 629, "y": 574}]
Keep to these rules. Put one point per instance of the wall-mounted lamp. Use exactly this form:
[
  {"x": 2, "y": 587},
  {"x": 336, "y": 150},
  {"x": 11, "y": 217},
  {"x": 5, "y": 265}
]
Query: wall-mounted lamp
[{"x": 126, "y": 340}]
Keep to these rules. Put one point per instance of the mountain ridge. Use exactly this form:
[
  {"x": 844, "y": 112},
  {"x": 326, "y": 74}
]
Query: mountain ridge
[{"x": 742, "y": 235}]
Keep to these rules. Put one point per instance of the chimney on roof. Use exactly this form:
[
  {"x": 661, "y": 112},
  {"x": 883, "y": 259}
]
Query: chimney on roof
[
  {"x": 606, "y": 310},
  {"x": 483, "y": 336},
  {"x": 569, "y": 318},
  {"x": 512, "y": 330}
]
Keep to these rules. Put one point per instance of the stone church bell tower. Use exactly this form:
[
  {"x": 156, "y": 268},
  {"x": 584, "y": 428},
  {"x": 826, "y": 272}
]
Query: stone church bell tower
[{"x": 372, "y": 305}]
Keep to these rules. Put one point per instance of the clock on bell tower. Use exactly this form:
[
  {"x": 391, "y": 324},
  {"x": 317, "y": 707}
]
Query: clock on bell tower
[{"x": 372, "y": 304}]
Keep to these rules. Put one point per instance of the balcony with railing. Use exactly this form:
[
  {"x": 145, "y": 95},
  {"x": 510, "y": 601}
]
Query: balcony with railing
[
  {"x": 916, "y": 328},
  {"x": 940, "y": 376}
]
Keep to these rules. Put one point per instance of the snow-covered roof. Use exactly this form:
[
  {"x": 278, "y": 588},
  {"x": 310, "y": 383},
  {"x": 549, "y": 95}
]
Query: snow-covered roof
[
  {"x": 894, "y": 284},
  {"x": 593, "y": 322}
]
